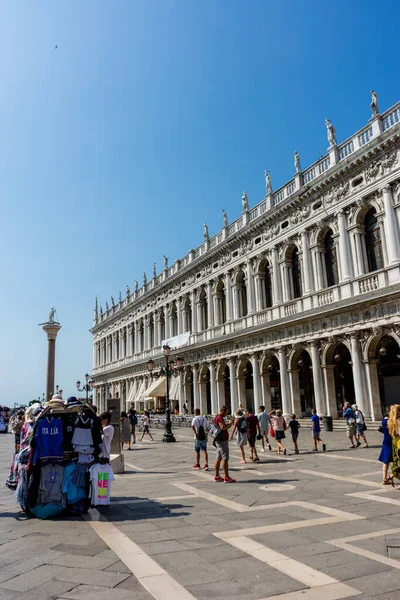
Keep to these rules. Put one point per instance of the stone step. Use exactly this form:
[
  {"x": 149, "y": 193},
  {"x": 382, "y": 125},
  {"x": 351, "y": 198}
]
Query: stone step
[{"x": 340, "y": 424}]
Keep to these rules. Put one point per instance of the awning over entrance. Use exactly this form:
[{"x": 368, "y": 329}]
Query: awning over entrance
[
  {"x": 138, "y": 397},
  {"x": 157, "y": 389},
  {"x": 173, "y": 388}
]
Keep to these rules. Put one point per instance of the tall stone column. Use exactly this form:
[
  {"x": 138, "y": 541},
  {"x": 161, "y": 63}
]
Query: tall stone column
[
  {"x": 392, "y": 233},
  {"x": 250, "y": 288},
  {"x": 196, "y": 396},
  {"x": 276, "y": 280},
  {"x": 180, "y": 315},
  {"x": 344, "y": 246},
  {"x": 51, "y": 328},
  {"x": 181, "y": 392},
  {"x": 318, "y": 381},
  {"x": 256, "y": 382},
  {"x": 233, "y": 385},
  {"x": 358, "y": 375},
  {"x": 308, "y": 285},
  {"x": 284, "y": 380},
  {"x": 210, "y": 306},
  {"x": 229, "y": 299},
  {"x": 213, "y": 389},
  {"x": 194, "y": 313},
  {"x": 295, "y": 390}
]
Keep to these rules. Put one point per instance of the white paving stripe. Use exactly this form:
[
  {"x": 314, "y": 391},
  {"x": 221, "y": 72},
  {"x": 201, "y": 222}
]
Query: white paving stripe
[
  {"x": 333, "y": 591},
  {"x": 149, "y": 573},
  {"x": 345, "y": 544},
  {"x": 134, "y": 467},
  {"x": 352, "y": 457},
  {"x": 338, "y": 477}
]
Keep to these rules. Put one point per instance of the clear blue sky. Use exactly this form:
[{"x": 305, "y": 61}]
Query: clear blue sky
[{"x": 146, "y": 121}]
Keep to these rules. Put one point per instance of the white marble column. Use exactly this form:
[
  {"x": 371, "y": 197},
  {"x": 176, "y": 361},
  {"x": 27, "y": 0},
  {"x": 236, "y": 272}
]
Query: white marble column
[
  {"x": 256, "y": 382},
  {"x": 260, "y": 304},
  {"x": 129, "y": 340},
  {"x": 167, "y": 323},
  {"x": 94, "y": 363},
  {"x": 233, "y": 385},
  {"x": 157, "y": 330},
  {"x": 286, "y": 287},
  {"x": 358, "y": 375},
  {"x": 146, "y": 334},
  {"x": 276, "y": 279},
  {"x": 114, "y": 346},
  {"x": 137, "y": 338},
  {"x": 391, "y": 228},
  {"x": 181, "y": 398},
  {"x": 344, "y": 246},
  {"x": 250, "y": 288},
  {"x": 360, "y": 261},
  {"x": 216, "y": 303},
  {"x": 229, "y": 299},
  {"x": 179, "y": 315},
  {"x": 213, "y": 389},
  {"x": 284, "y": 381},
  {"x": 318, "y": 381},
  {"x": 194, "y": 312},
  {"x": 200, "y": 317},
  {"x": 196, "y": 395},
  {"x": 236, "y": 301},
  {"x": 308, "y": 279},
  {"x": 210, "y": 306}
]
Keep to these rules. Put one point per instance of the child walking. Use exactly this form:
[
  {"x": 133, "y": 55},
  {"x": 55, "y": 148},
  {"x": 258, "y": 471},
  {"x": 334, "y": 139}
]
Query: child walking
[
  {"x": 294, "y": 430},
  {"x": 316, "y": 431}
]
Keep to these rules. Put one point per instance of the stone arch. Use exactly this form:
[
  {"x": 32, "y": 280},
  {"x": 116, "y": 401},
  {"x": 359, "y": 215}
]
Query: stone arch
[
  {"x": 328, "y": 352},
  {"x": 295, "y": 354},
  {"x": 361, "y": 211}
]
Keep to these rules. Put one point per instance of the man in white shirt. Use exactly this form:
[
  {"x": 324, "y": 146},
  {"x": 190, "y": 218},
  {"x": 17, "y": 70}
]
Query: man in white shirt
[
  {"x": 108, "y": 434},
  {"x": 199, "y": 426}
]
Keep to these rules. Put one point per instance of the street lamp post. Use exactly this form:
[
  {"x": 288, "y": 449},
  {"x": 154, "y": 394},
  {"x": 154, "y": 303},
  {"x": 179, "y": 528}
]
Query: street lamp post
[
  {"x": 86, "y": 386},
  {"x": 167, "y": 371}
]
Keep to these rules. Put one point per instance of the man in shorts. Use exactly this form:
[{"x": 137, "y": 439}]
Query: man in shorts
[
  {"x": 264, "y": 425},
  {"x": 316, "y": 430},
  {"x": 222, "y": 446},
  {"x": 199, "y": 426},
  {"x": 253, "y": 427},
  {"x": 350, "y": 416}
]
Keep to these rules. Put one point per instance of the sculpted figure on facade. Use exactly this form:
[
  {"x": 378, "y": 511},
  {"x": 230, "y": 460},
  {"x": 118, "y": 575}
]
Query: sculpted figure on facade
[
  {"x": 136, "y": 283},
  {"x": 205, "y": 232},
  {"x": 297, "y": 162},
  {"x": 245, "y": 203},
  {"x": 165, "y": 258},
  {"x": 144, "y": 279},
  {"x": 107, "y": 307},
  {"x": 331, "y": 132},
  {"x": 51, "y": 315},
  {"x": 128, "y": 291},
  {"x": 112, "y": 302},
  {"x": 225, "y": 218},
  {"x": 374, "y": 103},
  {"x": 154, "y": 271},
  {"x": 268, "y": 183},
  {"x": 101, "y": 311}
]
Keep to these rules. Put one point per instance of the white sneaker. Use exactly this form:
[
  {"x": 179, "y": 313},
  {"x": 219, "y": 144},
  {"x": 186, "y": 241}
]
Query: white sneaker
[{"x": 262, "y": 449}]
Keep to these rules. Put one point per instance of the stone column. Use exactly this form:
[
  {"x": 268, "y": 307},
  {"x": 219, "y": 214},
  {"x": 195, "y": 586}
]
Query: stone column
[
  {"x": 181, "y": 398},
  {"x": 51, "y": 328},
  {"x": 318, "y": 382},
  {"x": 213, "y": 389},
  {"x": 203, "y": 397},
  {"x": 360, "y": 263},
  {"x": 216, "y": 303},
  {"x": 114, "y": 346},
  {"x": 266, "y": 391},
  {"x": 194, "y": 313},
  {"x": 330, "y": 390},
  {"x": 260, "y": 304},
  {"x": 276, "y": 280},
  {"x": 392, "y": 232},
  {"x": 250, "y": 288},
  {"x": 308, "y": 280},
  {"x": 371, "y": 372},
  {"x": 210, "y": 305},
  {"x": 344, "y": 247},
  {"x": 358, "y": 374},
  {"x": 179, "y": 314},
  {"x": 229, "y": 300},
  {"x": 284, "y": 381},
  {"x": 95, "y": 346},
  {"x": 196, "y": 398},
  {"x": 256, "y": 381},
  {"x": 137, "y": 337},
  {"x": 233, "y": 385},
  {"x": 295, "y": 391},
  {"x": 108, "y": 349},
  {"x": 236, "y": 303}
]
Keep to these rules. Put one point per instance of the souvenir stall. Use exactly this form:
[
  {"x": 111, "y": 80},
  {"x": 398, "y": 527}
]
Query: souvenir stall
[{"x": 60, "y": 467}]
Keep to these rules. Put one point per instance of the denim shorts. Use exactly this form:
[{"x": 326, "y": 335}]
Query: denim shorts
[{"x": 200, "y": 445}]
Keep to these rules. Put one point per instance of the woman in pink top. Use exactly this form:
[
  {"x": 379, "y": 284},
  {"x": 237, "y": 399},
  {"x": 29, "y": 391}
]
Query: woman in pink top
[{"x": 279, "y": 425}]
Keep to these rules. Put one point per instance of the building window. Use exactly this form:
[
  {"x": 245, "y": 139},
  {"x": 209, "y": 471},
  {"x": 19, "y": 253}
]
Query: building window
[
  {"x": 268, "y": 287},
  {"x": 373, "y": 241},
  {"x": 330, "y": 259},
  {"x": 296, "y": 274}
]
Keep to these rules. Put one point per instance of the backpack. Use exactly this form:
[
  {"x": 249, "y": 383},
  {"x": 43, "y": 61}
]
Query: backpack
[
  {"x": 214, "y": 431},
  {"x": 133, "y": 419},
  {"x": 201, "y": 434},
  {"x": 242, "y": 425}
]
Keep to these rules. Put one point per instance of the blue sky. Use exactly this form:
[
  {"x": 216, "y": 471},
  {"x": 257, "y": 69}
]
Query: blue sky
[{"x": 146, "y": 121}]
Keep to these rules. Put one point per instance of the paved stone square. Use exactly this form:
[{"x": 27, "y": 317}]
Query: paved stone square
[{"x": 305, "y": 526}]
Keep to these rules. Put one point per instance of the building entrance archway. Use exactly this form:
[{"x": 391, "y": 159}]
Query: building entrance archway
[
  {"x": 275, "y": 384},
  {"x": 388, "y": 355},
  {"x": 343, "y": 374},
  {"x": 306, "y": 384}
]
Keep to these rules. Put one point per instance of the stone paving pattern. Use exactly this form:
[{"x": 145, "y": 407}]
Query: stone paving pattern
[{"x": 172, "y": 514}]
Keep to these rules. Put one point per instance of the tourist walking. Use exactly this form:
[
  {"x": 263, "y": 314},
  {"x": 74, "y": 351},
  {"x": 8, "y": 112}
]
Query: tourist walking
[
  {"x": 240, "y": 429},
  {"x": 360, "y": 425},
  {"x": 386, "y": 454},
  {"x": 125, "y": 430},
  {"x": 264, "y": 425},
  {"x": 349, "y": 415},
  {"x": 294, "y": 426},
  {"x": 278, "y": 425},
  {"x": 222, "y": 446},
  {"x": 316, "y": 430},
  {"x": 107, "y": 434},
  {"x": 253, "y": 428},
  {"x": 134, "y": 421},
  {"x": 146, "y": 425},
  {"x": 394, "y": 430},
  {"x": 199, "y": 426}
]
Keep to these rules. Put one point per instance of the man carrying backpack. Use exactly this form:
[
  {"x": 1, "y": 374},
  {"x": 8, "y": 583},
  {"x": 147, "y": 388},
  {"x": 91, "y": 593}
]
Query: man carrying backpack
[
  {"x": 133, "y": 420},
  {"x": 199, "y": 426}
]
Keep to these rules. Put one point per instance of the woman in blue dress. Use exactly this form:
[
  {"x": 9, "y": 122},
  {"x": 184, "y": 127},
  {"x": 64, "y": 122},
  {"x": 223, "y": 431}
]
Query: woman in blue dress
[{"x": 385, "y": 456}]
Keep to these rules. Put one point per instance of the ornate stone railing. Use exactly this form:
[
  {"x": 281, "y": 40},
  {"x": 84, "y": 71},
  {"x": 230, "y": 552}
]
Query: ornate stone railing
[
  {"x": 290, "y": 309},
  {"x": 391, "y": 119},
  {"x": 365, "y": 136},
  {"x": 368, "y": 284},
  {"x": 346, "y": 149},
  {"x": 325, "y": 298}
]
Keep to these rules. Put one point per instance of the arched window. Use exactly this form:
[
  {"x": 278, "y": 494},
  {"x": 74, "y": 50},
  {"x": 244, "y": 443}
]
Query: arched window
[
  {"x": 267, "y": 286},
  {"x": 296, "y": 274},
  {"x": 141, "y": 336},
  {"x": 151, "y": 331},
  {"x": 220, "y": 303},
  {"x": 241, "y": 294},
  {"x": 203, "y": 310},
  {"x": 174, "y": 320},
  {"x": 162, "y": 325},
  {"x": 330, "y": 259},
  {"x": 373, "y": 241},
  {"x": 187, "y": 311}
]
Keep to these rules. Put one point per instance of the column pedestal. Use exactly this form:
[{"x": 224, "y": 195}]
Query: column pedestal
[{"x": 51, "y": 330}]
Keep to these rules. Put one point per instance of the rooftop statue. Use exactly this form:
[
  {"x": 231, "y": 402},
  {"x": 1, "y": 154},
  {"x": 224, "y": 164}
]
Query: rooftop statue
[
  {"x": 205, "y": 233},
  {"x": 225, "y": 218},
  {"x": 331, "y": 132},
  {"x": 268, "y": 183},
  {"x": 136, "y": 285},
  {"x": 245, "y": 202},
  {"x": 144, "y": 279},
  {"x": 374, "y": 103},
  {"x": 52, "y": 314},
  {"x": 165, "y": 261},
  {"x": 297, "y": 162}
]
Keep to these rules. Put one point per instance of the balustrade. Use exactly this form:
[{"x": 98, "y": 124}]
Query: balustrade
[
  {"x": 368, "y": 284},
  {"x": 309, "y": 175},
  {"x": 391, "y": 119},
  {"x": 325, "y": 298},
  {"x": 365, "y": 136},
  {"x": 346, "y": 150},
  {"x": 290, "y": 309}
]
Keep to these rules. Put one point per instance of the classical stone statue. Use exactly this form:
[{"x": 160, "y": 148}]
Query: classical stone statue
[
  {"x": 128, "y": 291},
  {"x": 144, "y": 279},
  {"x": 374, "y": 103},
  {"x": 225, "y": 218},
  {"x": 112, "y": 302},
  {"x": 119, "y": 297},
  {"x": 154, "y": 271},
  {"x": 51, "y": 314},
  {"x": 297, "y": 162},
  {"x": 268, "y": 183},
  {"x": 331, "y": 132},
  {"x": 205, "y": 233},
  {"x": 165, "y": 262},
  {"x": 107, "y": 307},
  {"x": 136, "y": 285},
  {"x": 245, "y": 202},
  {"x": 101, "y": 311}
]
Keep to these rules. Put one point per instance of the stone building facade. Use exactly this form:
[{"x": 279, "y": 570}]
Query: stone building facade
[{"x": 295, "y": 304}]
